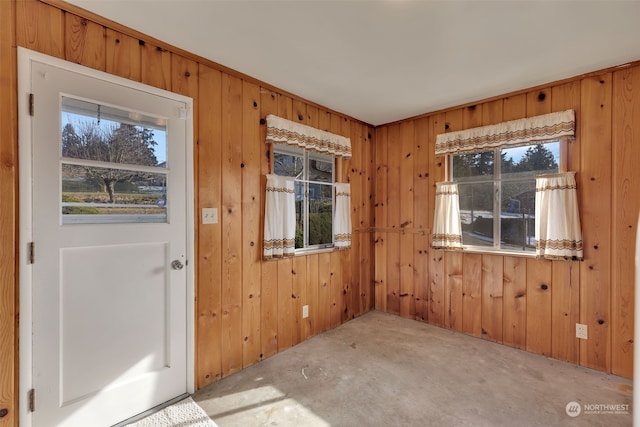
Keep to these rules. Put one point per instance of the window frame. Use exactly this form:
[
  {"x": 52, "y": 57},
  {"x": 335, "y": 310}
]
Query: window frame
[
  {"x": 308, "y": 155},
  {"x": 497, "y": 182}
]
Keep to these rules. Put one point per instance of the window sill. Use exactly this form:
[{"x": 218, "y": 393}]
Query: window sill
[
  {"x": 482, "y": 251},
  {"x": 313, "y": 251}
]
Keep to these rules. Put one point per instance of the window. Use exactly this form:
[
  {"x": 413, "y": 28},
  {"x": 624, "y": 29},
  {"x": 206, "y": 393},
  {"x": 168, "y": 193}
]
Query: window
[
  {"x": 314, "y": 179},
  {"x": 497, "y": 194}
]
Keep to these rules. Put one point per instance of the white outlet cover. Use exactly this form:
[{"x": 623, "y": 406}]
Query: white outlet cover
[
  {"x": 305, "y": 311},
  {"x": 581, "y": 331}
]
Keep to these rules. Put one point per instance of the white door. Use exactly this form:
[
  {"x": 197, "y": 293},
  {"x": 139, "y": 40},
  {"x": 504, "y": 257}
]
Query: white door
[{"x": 110, "y": 231}]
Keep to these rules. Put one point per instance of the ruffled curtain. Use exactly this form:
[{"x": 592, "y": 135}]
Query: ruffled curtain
[
  {"x": 283, "y": 131},
  {"x": 447, "y": 228},
  {"x": 342, "y": 216},
  {"x": 546, "y": 127},
  {"x": 558, "y": 233},
  {"x": 279, "y": 217}
]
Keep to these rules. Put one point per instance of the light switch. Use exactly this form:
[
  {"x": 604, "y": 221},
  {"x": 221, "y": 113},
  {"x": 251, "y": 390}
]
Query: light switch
[{"x": 209, "y": 215}]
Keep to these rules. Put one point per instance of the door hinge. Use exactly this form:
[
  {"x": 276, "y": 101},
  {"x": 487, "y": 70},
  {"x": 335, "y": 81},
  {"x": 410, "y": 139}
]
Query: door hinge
[
  {"x": 31, "y": 252},
  {"x": 32, "y": 400},
  {"x": 31, "y": 102}
]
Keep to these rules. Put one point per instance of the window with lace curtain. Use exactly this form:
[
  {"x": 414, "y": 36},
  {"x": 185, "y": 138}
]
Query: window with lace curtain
[{"x": 497, "y": 191}]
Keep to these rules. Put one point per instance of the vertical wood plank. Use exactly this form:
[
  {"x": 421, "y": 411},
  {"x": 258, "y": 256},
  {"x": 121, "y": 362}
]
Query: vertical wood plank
[
  {"x": 8, "y": 215},
  {"x": 421, "y": 208},
  {"x": 394, "y": 155},
  {"x": 335, "y": 289},
  {"x": 231, "y": 219},
  {"x": 407, "y": 155},
  {"x": 626, "y": 205},
  {"x": 285, "y": 304},
  {"x": 380, "y": 219},
  {"x": 471, "y": 118},
  {"x": 366, "y": 284},
  {"x": 514, "y": 318},
  {"x": 472, "y": 294},
  {"x": 300, "y": 294},
  {"x": 352, "y": 259},
  {"x": 539, "y": 290},
  {"x": 492, "y": 297},
  {"x": 251, "y": 224},
  {"x": 492, "y": 112},
  {"x": 436, "y": 292},
  {"x": 324, "y": 291},
  {"x": 538, "y": 102},
  {"x": 155, "y": 64},
  {"x": 311, "y": 326},
  {"x": 209, "y": 267},
  {"x": 184, "y": 79},
  {"x": 40, "y": 27},
  {"x": 453, "y": 284},
  {"x": 269, "y": 279},
  {"x": 565, "y": 310},
  {"x": 565, "y": 298},
  {"x": 514, "y": 107},
  {"x": 436, "y": 288},
  {"x": 595, "y": 171},
  {"x": 269, "y": 309},
  {"x": 85, "y": 42},
  {"x": 123, "y": 55}
]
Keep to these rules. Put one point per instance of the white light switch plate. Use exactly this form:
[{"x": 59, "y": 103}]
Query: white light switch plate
[{"x": 209, "y": 215}]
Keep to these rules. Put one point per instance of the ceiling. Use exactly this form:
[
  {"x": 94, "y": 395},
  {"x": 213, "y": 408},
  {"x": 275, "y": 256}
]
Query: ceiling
[{"x": 382, "y": 61}]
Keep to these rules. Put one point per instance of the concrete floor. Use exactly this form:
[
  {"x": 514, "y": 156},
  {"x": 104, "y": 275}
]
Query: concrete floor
[{"x": 383, "y": 370}]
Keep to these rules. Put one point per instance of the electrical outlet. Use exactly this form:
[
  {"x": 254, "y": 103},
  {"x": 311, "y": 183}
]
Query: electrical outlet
[
  {"x": 581, "y": 331},
  {"x": 209, "y": 215},
  {"x": 305, "y": 311}
]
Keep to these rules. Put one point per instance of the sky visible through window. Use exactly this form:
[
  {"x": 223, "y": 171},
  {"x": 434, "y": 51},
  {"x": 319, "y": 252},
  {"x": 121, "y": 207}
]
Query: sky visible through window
[{"x": 159, "y": 136}]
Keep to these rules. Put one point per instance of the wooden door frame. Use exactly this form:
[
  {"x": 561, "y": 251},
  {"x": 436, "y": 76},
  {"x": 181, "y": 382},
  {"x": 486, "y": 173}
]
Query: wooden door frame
[{"x": 25, "y": 58}]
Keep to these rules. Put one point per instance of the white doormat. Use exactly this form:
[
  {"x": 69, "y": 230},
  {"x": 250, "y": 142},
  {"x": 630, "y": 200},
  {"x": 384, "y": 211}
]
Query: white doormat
[{"x": 185, "y": 413}]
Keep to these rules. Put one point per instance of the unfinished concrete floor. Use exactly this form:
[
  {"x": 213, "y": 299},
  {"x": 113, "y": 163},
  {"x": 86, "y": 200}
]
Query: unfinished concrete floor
[{"x": 383, "y": 370}]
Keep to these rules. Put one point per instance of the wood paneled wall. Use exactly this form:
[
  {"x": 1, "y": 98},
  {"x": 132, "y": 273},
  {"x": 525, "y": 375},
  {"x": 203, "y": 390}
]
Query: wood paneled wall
[
  {"x": 514, "y": 300},
  {"x": 246, "y": 309}
]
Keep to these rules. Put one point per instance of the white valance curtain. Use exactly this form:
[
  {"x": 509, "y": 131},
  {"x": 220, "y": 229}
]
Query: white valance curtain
[
  {"x": 558, "y": 234},
  {"x": 282, "y": 131},
  {"x": 546, "y": 127},
  {"x": 279, "y": 217},
  {"x": 342, "y": 216},
  {"x": 447, "y": 229}
]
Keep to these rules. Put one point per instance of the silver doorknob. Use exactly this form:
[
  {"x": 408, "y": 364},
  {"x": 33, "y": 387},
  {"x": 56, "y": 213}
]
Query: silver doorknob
[{"x": 176, "y": 264}]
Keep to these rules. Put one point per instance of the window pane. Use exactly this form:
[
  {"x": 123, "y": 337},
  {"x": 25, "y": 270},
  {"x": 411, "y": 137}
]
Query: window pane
[
  {"x": 299, "y": 189},
  {"x": 530, "y": 160},
  {"x": 320, "y": 170},
  {"x": 517, "y": 218},
  {"x": 473, "y": 165},
  {"x": 102, "y": 195},
  {"x": 320, "y": 214},
  {"x": 476, "y": 213},
  {"x": 107, "y": 134},
  {"x": 287, "y": 165}
]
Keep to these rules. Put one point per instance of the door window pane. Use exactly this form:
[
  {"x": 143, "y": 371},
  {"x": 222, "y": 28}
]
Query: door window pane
[
  {"x": 91, "y": 194},
  {"x": 107, "y": 134},
  {"x": 113, "y": 164}
]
